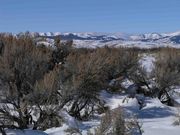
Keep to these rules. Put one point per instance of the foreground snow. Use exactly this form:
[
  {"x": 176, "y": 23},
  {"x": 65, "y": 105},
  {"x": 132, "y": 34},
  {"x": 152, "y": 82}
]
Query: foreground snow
[
  {"x": 158, "y": 119},
  {"x": 160, "y": 126},
  {"x": 24, "y": 132},
  {"x": 155, "y": 117}
]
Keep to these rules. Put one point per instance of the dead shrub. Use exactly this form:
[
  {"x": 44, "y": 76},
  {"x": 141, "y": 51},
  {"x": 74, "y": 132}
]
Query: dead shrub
[
  {"x": 81, "y": 80},
  {"x": 22, "y": 66},
  {"x": 167, "y": 73},
  {"x": 113, "y": 123}
]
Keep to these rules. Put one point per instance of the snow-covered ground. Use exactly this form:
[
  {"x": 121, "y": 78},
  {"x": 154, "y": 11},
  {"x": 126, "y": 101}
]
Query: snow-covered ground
[
  {"x": 155, "y": 117},
  {"x": 24, "y": 132},
  {"x": 147, "y": 62}
]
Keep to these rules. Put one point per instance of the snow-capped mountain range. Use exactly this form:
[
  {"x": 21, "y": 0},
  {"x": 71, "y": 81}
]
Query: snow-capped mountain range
[{"x": 112, "y": 39}]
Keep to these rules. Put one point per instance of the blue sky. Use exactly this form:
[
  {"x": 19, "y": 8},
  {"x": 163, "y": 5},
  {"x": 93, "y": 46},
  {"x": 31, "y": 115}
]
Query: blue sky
[{"x": 129, "y": 16}]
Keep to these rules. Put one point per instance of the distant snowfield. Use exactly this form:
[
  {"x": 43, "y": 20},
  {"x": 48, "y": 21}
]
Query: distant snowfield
[
  {"x": 120, "y": 43},
  {"x": 115, "y": 43},
  {"x": 94, "y": 39}
]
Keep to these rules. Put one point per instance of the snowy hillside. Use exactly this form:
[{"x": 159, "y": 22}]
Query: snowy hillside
[{"x": 95, "y": 39}]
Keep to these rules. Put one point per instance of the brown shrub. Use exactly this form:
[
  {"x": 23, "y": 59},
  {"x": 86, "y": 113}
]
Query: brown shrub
[
  {"x": 84, "y": 74},
  {"x": 113, "y": 123},
  {"x": 167, "y": 73},
  {"x": 22, "y": 65}
]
